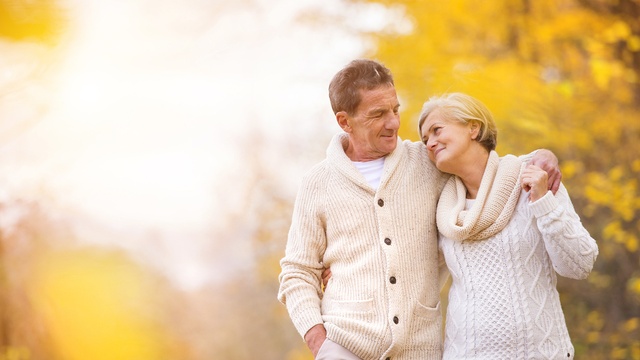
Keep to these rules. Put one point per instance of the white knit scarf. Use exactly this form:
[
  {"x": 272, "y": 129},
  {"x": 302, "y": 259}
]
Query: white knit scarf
[{"x": 494, "y": 204}]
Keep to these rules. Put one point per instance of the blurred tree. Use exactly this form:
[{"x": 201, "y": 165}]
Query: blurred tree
[
  {"x": 563, "y": 75},
  {"x": 268, "y": 216},
  {"x": 31, "y": 20},
  {"x": 61, "y": 300},
  {"x": 239, "y": 317},
  {"x": 26, "y": 228},
  {"x": 264, "y": 220}
]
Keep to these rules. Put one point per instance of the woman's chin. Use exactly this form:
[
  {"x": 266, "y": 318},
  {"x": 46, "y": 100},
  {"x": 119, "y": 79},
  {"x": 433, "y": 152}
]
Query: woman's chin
[{"x": 443, "y": 166}]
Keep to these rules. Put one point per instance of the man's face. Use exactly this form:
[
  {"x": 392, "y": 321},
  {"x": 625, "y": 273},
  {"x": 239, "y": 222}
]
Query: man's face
[{"x": 373, "y": 129}]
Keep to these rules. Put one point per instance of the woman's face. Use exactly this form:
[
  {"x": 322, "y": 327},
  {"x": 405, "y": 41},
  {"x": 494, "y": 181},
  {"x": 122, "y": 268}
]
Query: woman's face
[{"x": 448, "y": 142}]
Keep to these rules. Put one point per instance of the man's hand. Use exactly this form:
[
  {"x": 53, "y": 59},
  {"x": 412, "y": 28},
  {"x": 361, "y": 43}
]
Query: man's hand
[
  {"x": 315, "y": 337},
  {"x": 547, "y": 161}
]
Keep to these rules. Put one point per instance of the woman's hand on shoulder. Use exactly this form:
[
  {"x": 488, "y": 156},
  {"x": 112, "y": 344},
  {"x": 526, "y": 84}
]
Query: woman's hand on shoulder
[
  {"x": 547, "y": 161},
  {"x": 535, "y": 181}
]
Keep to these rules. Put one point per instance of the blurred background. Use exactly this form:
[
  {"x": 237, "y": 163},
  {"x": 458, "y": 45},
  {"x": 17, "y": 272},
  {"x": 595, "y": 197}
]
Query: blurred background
[{"x": 150, "y": 153}]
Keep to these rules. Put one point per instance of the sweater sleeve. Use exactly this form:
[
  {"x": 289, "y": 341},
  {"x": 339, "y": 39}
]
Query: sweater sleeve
[
  {"x": 527, "y": 157},
  {"x": 300, "y": 278},
  {"x": 443, "y": 270},
  {"x": 571, "y": 249}
]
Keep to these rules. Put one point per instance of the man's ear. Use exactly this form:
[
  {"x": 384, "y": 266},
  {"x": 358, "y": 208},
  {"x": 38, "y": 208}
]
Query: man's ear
[{"x": 343, "y": 120}]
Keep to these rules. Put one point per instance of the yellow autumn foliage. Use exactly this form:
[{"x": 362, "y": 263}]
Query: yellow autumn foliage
[{"x": 97, "y": 306}]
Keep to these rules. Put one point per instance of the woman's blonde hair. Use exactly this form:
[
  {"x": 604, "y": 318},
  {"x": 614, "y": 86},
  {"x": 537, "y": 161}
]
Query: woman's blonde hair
[{"x": 464, "y": 109}]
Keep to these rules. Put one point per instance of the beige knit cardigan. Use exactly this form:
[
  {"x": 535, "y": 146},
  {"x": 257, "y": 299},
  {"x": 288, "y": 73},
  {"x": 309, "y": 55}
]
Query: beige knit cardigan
[{"x": 383, "y": 297}]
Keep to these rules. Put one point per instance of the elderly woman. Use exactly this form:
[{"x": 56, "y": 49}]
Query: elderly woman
[{"x": 504, "y": 237}]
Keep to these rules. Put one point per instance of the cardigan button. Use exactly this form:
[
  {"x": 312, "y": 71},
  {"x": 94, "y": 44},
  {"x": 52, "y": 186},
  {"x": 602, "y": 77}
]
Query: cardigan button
[
  {"x": 387, "y": 241},
  {"x": 380, "y": 202},
  {"x": 396, "y": 320},
  {"x": 392, "y": 279}
]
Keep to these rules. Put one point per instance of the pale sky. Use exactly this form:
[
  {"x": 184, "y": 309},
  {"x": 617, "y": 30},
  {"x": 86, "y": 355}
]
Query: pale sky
[{"x": 147, "y": 113}]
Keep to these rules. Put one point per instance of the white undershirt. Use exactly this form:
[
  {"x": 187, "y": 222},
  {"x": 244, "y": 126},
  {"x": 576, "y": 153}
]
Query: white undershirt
[
  {"x": 371, "y": 170},
  {"x": 469, "y": 203}
]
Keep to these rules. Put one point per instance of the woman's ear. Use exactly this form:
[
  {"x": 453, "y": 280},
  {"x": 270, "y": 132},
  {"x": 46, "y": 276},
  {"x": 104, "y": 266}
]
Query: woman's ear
[
  {"x": 474, "y": 129},
  {"x": 343, "y": 120}
]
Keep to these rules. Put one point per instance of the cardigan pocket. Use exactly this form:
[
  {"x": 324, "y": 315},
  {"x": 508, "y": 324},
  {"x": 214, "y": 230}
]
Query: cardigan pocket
[
  {"x": 348, "y": 306},
  {"x": 426, "y": 330},
  {"x": 426, "y": 312}
]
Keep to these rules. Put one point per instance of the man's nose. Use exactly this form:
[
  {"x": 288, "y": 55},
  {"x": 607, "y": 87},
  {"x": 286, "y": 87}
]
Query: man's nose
[{"x": 392, "y": 121}]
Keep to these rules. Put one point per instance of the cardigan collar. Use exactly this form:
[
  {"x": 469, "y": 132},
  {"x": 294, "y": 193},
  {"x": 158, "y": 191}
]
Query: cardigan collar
[{"x": 341, "y": 162}]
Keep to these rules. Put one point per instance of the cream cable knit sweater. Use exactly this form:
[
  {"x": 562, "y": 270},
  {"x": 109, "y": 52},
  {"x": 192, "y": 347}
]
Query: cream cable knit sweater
[
  {"x": 383, "y": 297},
  {"x": 503, "y": 301}
]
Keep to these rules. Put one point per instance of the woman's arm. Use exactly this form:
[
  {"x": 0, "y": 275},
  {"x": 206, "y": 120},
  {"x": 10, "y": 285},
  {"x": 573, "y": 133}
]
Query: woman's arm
[{"x": 571, "y": 249}]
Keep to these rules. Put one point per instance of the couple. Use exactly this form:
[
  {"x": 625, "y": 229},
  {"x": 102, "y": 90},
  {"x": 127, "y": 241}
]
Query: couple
[{"x": 369, "y": 212}]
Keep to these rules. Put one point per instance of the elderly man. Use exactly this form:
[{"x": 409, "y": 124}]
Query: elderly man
[{"x": 368, "y": 212}]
